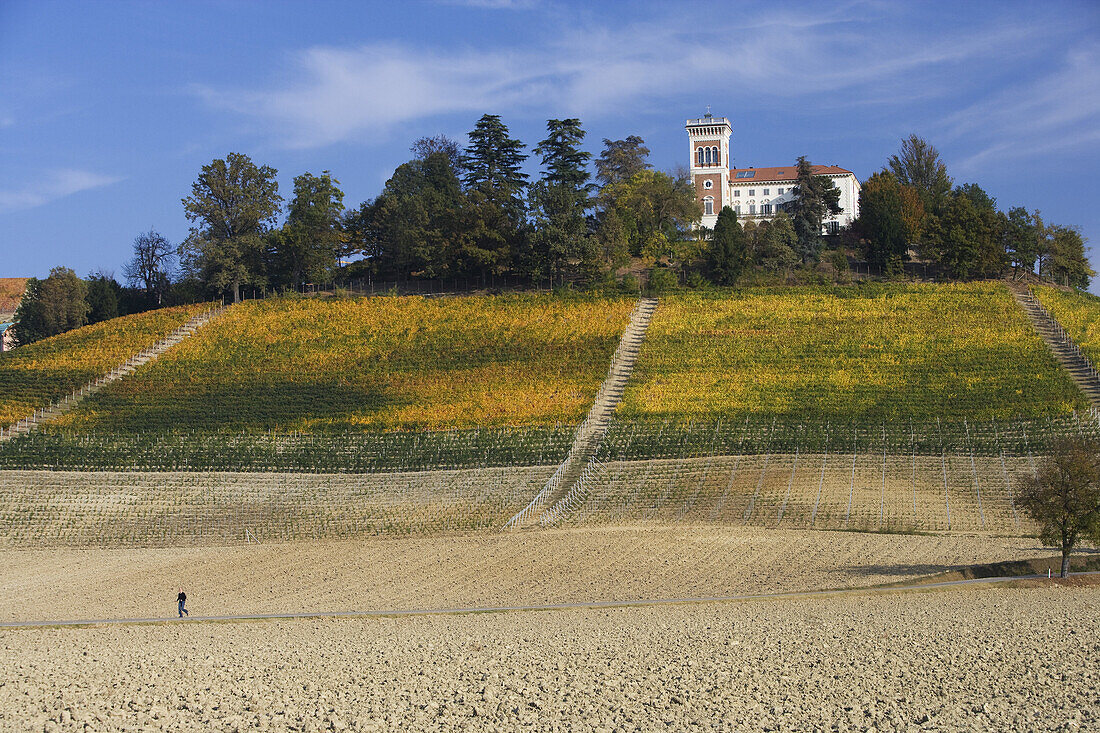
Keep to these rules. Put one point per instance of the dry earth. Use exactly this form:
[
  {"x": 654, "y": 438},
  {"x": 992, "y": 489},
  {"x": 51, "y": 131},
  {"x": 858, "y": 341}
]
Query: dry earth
[
  {"x": 602, "y": 563},
  {"x": 975, "y": 659}
]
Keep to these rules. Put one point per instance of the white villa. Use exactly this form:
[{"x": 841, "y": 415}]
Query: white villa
[{"x": 754, "y": 193}]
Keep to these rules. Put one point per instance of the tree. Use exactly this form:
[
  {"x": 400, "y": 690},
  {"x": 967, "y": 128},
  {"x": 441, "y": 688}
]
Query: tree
[
  {"x": 562, "y": 157},
  {"x": 232, "y": 203},
  {"x": 982, "y": 201},
  {"x": 655, "y": 210},
  {"x": 493, "y": 165},
  {"x": 881, "y": 220},
  {"x": 815, "y": 198},
  {"x": 966, "y": 241},
  {"x": 557, "y": 204},
  {"x": 424, "y": 147},
  {"x": 1063, "y": 496},
  {"x": 775, "y": 240},
  {"x": 102, "y": 297},
  {"x": 621, "y": 160},
  {"x": 311, "y": 239},
  {"x": 151, "y": 267},
  {"x": 51, "y": 306},
  {"x": 918, "y": 164},
  {"x": 1067, "y": 263},
  {"x": 413, "y": 224},
  {"x": 1023, "y": 235},
  {"x": 728, "y": 253}
]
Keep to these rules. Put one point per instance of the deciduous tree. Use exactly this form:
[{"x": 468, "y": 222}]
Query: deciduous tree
[
  {"x": 918, "y": 164},
  {"x": 311, "y": 239},
  {"x": 621, "y": 160},
  {"x": 51, "y": 306},
  {"x": 232, "y": 204},
  {"x": 151, "y": 266},
  {"x": 1063, "y": 496}
]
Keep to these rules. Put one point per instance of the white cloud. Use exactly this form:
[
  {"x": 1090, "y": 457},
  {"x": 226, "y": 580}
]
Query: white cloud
[
  {"x": 54, "y": 185},
  {"x": 1057, "y": 112},
  {"x": 783, "y": 57}
]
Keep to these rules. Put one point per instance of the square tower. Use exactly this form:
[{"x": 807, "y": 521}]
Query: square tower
[{"x": 709, "y": 148}]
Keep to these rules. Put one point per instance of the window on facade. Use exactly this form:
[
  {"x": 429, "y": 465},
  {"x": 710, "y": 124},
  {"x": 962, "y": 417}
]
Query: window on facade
[
  {"x": 708, "y": 205},
  {"x": 833, "y": 227},
  {"x": 766, "y": 192},
  {"x": 779, "y": 192},
  {"x": 737, "y": 193},
  {"x": 752, "y": 209},
  {"x": 766, "y": 209},
  {"x": 716, "y": 160},
  {"x": 752, "y": 192},
  {"x": 708, "y": 184},
  {"x": 699, "y": 156},
  {"x": 737, "y": 210}
]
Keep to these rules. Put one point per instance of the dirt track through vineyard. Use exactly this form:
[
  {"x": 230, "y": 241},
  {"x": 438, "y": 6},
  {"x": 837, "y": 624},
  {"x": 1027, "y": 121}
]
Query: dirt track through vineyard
[{"x": 617, "y": 563}]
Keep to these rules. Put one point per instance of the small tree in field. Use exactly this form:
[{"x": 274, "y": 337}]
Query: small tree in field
[{"x": 1064, "y": 496}]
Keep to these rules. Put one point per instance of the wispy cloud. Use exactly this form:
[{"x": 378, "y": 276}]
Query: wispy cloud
[
  {"x": 779, "y": 57},
  {"x": 52, "y": 186},
  {"x": 1057, "y": 112}
]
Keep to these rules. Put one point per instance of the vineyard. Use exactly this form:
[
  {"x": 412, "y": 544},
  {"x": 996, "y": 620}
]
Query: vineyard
[
  {"x": 867, "y": 353},
  {"x": 1078, "y": 313},
  {"x": 34, "y": 375},
  {"x": 371, "y": 365},
  {"x": 11, "y": 292}
]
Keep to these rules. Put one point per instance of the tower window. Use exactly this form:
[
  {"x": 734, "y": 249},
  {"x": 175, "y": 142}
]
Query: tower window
[
  {"x": 708, "y": 205},
  {"x": 708, "y": 184}
]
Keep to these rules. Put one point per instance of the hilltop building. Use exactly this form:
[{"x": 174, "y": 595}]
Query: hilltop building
[{"x": 754, "y": 193}]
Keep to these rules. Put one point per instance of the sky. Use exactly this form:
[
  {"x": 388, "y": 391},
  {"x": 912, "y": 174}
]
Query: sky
[{"x": 108, "y": 110}]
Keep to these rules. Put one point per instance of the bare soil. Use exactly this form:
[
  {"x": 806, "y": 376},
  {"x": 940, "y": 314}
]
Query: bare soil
[
  {"x": 974, "y": 659},
  {"x": 583, "y": 564}
]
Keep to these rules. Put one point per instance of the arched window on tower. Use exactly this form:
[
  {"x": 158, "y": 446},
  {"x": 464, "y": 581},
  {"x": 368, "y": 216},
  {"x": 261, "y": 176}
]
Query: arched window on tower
[
  {"x": 699, "y": 156},
  {"x": 708, "y": 158},
  {"x": 715, "y": 158},
  {"x": 708, "y": 205}
]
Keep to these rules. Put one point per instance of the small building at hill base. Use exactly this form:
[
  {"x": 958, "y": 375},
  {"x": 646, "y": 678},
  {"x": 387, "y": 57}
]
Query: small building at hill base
[{"x": 754, "y": 193}]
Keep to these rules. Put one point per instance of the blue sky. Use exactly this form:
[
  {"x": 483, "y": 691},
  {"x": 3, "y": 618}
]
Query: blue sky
[{"x": 108, "y": 110}]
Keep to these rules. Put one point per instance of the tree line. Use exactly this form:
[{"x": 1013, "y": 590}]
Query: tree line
[{"x": 910, "y": 206}]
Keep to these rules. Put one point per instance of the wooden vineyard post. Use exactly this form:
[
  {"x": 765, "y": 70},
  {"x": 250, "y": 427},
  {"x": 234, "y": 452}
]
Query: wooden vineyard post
[
  {"x": 913, "y": 450},
  {"x": 790, "y": 481},
  {"x": 852, "y": 482},
  {"x": 882, "y": 493},
  {"x": 974, "y": 472}
]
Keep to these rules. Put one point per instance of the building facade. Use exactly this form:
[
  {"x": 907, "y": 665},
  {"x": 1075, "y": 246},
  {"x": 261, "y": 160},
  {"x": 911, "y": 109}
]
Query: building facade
[{"x": 754, "y": 193}]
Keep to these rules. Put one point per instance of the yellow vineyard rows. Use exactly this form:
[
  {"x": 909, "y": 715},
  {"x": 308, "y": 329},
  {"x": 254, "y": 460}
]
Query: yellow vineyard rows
[
  {"x": 378, "y": 363},
  {"x": 32, "y": 376},
  {"x": 858, "y": 353}
]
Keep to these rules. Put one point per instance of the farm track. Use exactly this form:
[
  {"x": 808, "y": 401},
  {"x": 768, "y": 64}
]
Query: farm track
[{"x": 146, "y": 355}]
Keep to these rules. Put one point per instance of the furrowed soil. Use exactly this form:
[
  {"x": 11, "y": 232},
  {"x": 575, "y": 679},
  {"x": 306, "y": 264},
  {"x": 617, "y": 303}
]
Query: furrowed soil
[
  {"x": 572, "y": 565},
  {"x": 975, "y": 659}
]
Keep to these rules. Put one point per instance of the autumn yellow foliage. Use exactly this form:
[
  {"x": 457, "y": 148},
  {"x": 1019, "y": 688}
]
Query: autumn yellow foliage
[
  {"x": 375, "y": 364},
  {"x": 877, "y": 352}
]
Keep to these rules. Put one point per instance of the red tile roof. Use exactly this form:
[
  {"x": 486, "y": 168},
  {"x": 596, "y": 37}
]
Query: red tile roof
[{"x": 782, "y": 173}]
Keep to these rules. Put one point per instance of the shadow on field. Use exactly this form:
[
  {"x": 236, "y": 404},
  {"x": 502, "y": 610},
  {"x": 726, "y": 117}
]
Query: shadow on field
[{"x": 1081, "y": 561}]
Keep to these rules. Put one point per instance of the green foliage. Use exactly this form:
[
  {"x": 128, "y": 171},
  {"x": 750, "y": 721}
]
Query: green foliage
[
  {"x": 1063, "y": 496},
  {"x": 661, "y": 280},
  {"x": 307, "y": 246},
  {"x": 728, "y": 253},
  {"x": 815, "y": 198},
  {"x": 1023, "y": 234},
  {"x": 493, "y": 165},
  {"x": 654, "y": 209},
  {"x": 564, "y": 161},
  {"x": 881, "y": 221},
  {"x": 1066, "y": 262},
  {"x": 982, "y": 201},
  {"x": 560, "y": 240},
  {"x": 621, "y": 160},
  {"x": 51, "y": 306},
  {"x": 102, "y": 298},
  {"x": 232, "y": 203},
  {"x": 772, "y": 243},
  {"x": 965, "y": 240},
  {"x": 918, "y": 164}
]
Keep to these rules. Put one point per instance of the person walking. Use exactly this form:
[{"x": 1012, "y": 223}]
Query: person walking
[{"x": 182, "y": 599}]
